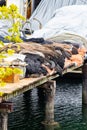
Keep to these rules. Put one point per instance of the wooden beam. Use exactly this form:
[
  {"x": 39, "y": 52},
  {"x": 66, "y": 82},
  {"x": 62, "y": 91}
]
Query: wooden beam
[
  {"x": 6, "y": 107},
  {"x": 76, "y": 72}
]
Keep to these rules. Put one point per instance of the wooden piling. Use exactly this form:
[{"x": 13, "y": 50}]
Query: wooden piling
[
  {"x": 84, "y": 113},
  {"x": 5, "y": 108},
  {"x": 3, "y": 121},
  {"x": 50, "y": 88},
  {"x": 84, "y": 83}
]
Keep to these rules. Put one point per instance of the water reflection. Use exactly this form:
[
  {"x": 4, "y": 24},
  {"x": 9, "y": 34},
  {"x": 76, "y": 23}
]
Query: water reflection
[
  {"x": 69, "y": 112},
  {"x": 84, "y": 114},
  {"x": 55, "y": 127}
]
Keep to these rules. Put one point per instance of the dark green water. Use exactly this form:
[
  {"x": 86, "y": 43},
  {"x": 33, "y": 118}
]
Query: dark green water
[{"x": 69, "y": 112}]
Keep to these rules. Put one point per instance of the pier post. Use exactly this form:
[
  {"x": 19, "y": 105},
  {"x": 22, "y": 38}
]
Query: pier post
[
  {"x": 84, "y": 83},
  {"x": 50, "y": 88},
  {"x": 84, "y": 113},
  {"x": 3, "y": 120},
  {"x": 5, "y": 108}
]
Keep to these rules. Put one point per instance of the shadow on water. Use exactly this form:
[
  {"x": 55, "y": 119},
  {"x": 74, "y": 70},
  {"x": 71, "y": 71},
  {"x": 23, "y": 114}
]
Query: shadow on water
[
  {"x": 29, "y": 108},
  {"x": 28, "y": 111}
]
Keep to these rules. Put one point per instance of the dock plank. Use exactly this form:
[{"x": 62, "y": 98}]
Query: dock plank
[{"x": 13, "y": 89}]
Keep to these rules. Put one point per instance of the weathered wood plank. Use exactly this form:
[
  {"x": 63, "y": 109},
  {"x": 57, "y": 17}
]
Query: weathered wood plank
[
  {"x": 13, "y": 89},
  {"x": 76, "y": 72}
]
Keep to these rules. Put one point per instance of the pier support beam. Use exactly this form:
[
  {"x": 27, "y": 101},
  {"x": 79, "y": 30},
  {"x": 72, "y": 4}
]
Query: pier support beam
[
  {"x": 3, "y": 120},
  {"x": 50, "y": 88},
  {"x": 5, "y": 108},
  {"x": 84, "y": 113},
  {"x": 84, "y": 83}
]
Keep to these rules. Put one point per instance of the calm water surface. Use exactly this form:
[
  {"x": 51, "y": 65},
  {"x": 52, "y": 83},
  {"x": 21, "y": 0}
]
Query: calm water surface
[{"x": 69, "y": 112}]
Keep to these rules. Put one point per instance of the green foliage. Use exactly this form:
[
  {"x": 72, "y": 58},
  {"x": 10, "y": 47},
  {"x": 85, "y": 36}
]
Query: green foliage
[
  {"x": 12, "y": 14},
  {"x": 10, "y": 52},
  {"x": 1, "y": 44},
  {"x": 17, "y": 71},
  {"x": 5, "y": 72}
]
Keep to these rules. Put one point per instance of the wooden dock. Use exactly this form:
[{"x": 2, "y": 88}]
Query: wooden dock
[
  {"x": 47, "y": 82},
  {"x": 13, "y": 89}
]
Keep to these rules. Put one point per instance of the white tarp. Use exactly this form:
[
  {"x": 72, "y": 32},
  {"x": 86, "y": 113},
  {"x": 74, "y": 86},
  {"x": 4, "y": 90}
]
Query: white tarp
[
  {"x": 68, "y": 19},
  {"x": 46, "y": 8},
  {"x": 66, "y": 22}
]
